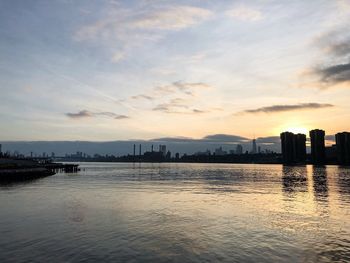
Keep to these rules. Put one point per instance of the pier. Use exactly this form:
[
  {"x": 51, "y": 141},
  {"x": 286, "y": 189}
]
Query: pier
[
  {"x": 12, "y": 170},
  {"x": 61, "y": 167}
]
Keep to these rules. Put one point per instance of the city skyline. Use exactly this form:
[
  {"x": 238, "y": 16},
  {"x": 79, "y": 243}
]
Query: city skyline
[
  {"x": 217, "y": 143},
  {"x": 136, "y": 70}
]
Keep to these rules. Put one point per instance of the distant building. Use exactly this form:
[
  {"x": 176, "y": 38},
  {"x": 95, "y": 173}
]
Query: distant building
[
  {"x": 177, "y": 156},
  {"x": 293, "y": 147},
  {"x": 239, "y": 149},
  {"x": 219, "y": 151},
  {"x": 0, "y": 149},
  {"x": 254, "y": 151},
  {"x": 318, "y": 151},
  {"x": 206, "y": 153},
  {"x": 168, "y": 155},
  {"x": 343, "y": 147},
  {"x": 162, "y": 149}
]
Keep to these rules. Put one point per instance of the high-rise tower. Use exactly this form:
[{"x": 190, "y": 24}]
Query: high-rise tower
[
  {"x": 293, "y": 147},
  {"x": 318, "y": 150},
  {"x": 343, "y": 147},
  {"x": 300, "y": 147},
  {"x": 162, "y": 149},
  {"x": 254, "y": 151}
]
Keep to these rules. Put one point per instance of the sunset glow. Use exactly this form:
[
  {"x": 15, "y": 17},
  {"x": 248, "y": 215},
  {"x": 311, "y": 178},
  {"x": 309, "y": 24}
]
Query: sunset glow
[{"x": 121, "y": 70}]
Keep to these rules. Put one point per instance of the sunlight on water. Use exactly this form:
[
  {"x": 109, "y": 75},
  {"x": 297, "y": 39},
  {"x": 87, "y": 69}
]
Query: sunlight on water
[{"x": 179, "y": 213}]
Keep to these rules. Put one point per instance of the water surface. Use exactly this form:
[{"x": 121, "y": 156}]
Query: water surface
[{"x": 179, "y": 213}]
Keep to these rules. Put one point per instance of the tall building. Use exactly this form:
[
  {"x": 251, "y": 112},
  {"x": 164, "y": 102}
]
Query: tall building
[
  {"x": 239, "y": 149},
  {"x": 287, "y": 139},
  {"x": 318, "y": 150},
  {"x": 162, "y": 149},
  {"x": 254, "y": 151},
  {"x": 0, "y": 148},
  {"x": 300, "y": 147},
  {"x": 343, "y": 147},
  {"x": 293, "y": 147}
]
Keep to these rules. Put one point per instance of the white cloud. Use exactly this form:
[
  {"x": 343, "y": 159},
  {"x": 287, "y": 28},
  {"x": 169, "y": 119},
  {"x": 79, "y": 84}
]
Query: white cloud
[
  {"x": 244, "y": 13},
  {"x": 182, "y": 87},
  {"x": 118, "y": 56},
  {"x": 125, "y": 29},
  {"x": 177, "y": 97},
  {"x": 174, "y": 18},
  {"x": 344, "y": 5}
]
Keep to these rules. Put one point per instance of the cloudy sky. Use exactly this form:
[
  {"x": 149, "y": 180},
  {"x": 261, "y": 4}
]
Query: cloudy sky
[{"x": 119, "y": 70}]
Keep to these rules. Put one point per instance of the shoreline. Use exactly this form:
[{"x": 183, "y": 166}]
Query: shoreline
[{"x": 172, "y": 162}]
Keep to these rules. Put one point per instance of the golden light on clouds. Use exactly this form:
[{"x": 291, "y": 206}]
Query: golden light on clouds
[{"x": 295, "y": 126}]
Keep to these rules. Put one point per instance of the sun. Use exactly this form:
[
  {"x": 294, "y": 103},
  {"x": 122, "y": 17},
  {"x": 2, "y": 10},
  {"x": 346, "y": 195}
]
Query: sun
[{"x": 296, "y": 129}]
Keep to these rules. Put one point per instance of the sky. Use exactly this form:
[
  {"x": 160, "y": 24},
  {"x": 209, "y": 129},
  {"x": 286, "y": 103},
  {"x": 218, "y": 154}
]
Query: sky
[{"x": 139, "y": 70}]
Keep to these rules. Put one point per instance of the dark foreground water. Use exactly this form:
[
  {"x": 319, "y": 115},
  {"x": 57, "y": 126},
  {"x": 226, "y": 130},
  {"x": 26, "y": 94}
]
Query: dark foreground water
[{"x": 179, "y": 213}]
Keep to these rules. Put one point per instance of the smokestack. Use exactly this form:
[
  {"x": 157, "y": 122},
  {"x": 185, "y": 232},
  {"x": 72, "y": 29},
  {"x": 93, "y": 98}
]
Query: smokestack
[
  {"x": 140, "y": 150},
  {"x": 152, "y": 147},
  {"x": 134, "y": 149}
]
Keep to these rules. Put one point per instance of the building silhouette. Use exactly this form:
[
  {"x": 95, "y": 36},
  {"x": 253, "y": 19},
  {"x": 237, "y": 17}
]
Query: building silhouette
[
  {"x": 287, "y": 139},
  {"x": 300, "y": 146},
  {"x": 219, "y": 151},
  {"x": 331, "y": 154},
  {"x": 254, "y": 151},
  {"x": 293, "y": 147},
  {"x": 162, "y": 149},
  {"x": 318, "y": 150},
  {"x": 343, "y": 147},
  {"x": 239, "y": 149}
]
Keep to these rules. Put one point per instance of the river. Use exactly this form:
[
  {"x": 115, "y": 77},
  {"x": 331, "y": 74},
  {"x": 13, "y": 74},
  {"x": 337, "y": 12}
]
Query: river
[{"x": 173, "y": 212}]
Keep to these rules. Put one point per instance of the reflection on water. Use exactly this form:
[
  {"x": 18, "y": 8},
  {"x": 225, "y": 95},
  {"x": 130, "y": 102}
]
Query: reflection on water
[
  {"x": 179, "y": 213},
  {"x": 319, "y": 176},
  {"x": 294, "y": 179}
]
